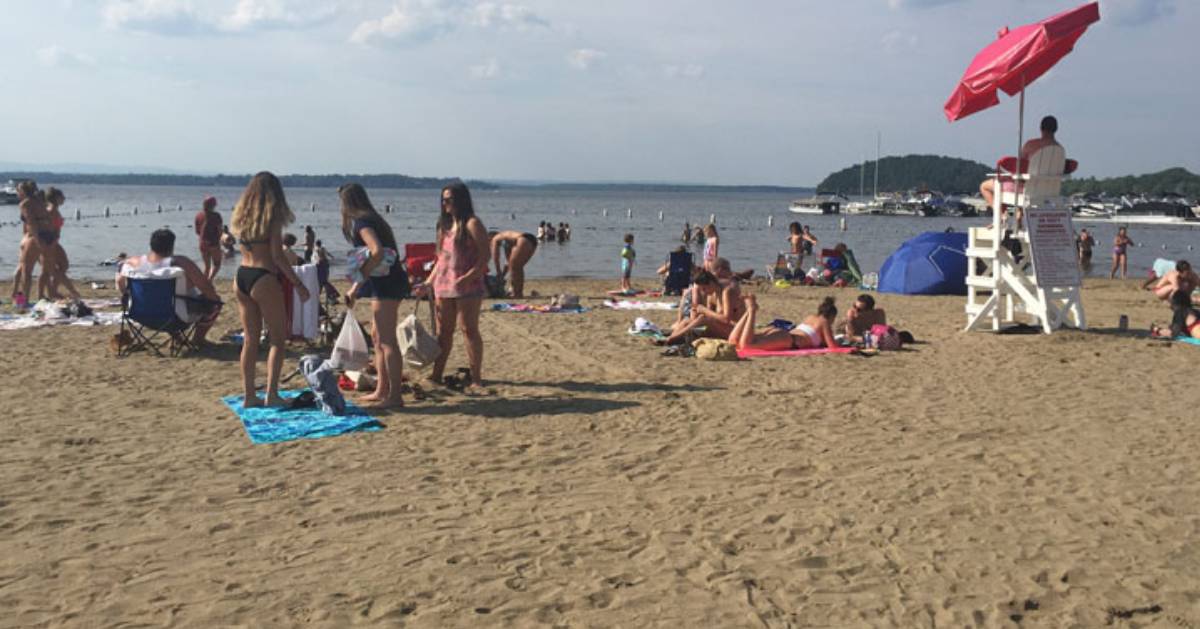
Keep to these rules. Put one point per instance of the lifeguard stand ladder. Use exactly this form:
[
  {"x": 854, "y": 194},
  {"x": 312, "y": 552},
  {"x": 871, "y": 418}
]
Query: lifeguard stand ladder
[{"x": 998, "y": 288}]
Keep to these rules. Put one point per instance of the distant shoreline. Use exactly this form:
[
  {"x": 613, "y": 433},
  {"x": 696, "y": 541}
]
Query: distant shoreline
[{"x": 400, "y": 182}]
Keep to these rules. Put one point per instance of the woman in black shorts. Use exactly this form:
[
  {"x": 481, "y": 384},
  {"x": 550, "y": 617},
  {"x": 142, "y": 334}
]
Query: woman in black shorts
[{"x": 364, "y": 227}]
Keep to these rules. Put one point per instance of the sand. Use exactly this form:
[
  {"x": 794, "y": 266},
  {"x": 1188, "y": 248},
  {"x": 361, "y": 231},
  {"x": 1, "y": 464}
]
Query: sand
[{"x": 971, "y": 481}]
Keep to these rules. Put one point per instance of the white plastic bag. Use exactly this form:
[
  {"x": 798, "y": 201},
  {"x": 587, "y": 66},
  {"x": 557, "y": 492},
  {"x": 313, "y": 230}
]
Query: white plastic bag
[
  {"x": 418, "y": 347},
  {"x": 350, "y": 350}
]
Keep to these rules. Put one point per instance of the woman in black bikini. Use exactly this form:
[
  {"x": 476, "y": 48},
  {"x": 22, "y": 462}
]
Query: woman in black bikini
[
  {"x": 364, "y": 227},
  {"x": 517, "y": 248},
  {"x": 258, "y": 220},
  {"x": 37, "y": 230}
]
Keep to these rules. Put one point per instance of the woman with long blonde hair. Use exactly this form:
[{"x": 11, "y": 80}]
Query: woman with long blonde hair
[
  {"x": 258, "y": 221},
  {"x": 457, "y": 280},
  {"x": 364, "y": 227}
]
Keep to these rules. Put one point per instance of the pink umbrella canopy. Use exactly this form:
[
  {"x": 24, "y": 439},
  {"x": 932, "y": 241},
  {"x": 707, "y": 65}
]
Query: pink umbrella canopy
[{"x": 1017, "y": 58}]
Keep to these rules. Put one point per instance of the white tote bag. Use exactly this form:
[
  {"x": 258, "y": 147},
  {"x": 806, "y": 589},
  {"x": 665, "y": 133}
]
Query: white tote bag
[
  {"x": 418, "y": 347},
  {"x": 350, "y": 350}
]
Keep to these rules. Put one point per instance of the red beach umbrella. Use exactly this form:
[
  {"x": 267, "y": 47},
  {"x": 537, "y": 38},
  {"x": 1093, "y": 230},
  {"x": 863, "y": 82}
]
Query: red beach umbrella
[{"x": 1016, "y": 59}]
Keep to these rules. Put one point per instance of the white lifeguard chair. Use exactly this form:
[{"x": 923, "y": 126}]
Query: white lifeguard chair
[{"x": 998, "y": 287}]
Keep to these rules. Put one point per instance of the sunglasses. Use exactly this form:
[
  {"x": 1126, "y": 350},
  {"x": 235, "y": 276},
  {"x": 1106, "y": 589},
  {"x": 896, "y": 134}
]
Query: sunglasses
[{"x": 446, "y": 200}]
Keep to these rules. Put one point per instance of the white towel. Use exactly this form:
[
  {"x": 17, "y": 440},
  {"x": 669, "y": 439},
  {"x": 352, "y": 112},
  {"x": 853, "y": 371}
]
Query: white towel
[{"x": 306, "y": 314}]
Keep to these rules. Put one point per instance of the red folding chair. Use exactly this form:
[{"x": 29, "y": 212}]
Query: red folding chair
[{"x": 418, "y": 260}]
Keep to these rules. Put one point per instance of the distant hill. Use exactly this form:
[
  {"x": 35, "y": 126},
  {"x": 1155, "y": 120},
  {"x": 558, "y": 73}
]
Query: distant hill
[
  {"x": 950, "y": 175},
  {"x": 291, "y": 181},
  {"x": 1177, "y": 180}
]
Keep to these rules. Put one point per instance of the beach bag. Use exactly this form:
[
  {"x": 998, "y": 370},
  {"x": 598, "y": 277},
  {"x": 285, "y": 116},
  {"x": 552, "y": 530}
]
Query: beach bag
[
  {"x": 715, "y": 349},
  {"x": 418, "y": 347},
  {"x": 886, "y": 337},
  {"x": 350, "y": 349},
  {"x": 323, "y": 381},
  {"x": 494, "y": 284}
]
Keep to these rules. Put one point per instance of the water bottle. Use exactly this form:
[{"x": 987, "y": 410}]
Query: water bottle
[
  {"x": 868, "y": 340},
  {"x": 1123, "y": 323}
]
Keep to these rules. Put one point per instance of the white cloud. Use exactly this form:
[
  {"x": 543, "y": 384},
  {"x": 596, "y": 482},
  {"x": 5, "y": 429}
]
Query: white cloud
[
  {"x": 57, "y": 56},
  {"x": 171, "y": 17},
  {"x": 584, "y": 58},
  {"x": 489, "y": 69},
  {"x": 488, "y": 14},
  {"x": 268, "y": 14},
  {"x": 686, "y": 71},
  {"x": 412, "y": 21},
  {"x": 898, "y": 41},
  {"x": 1136, "y": 12}
]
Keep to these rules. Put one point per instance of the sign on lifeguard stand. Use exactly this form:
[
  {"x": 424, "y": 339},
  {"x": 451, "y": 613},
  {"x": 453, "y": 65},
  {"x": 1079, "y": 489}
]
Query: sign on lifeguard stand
[{"x": 1043, "y": 285}]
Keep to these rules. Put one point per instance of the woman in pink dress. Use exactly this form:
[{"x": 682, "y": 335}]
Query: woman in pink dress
[{"x": 457, "y": 280}]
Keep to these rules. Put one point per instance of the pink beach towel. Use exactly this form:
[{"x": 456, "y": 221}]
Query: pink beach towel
[{"x": 754, "y": 353}]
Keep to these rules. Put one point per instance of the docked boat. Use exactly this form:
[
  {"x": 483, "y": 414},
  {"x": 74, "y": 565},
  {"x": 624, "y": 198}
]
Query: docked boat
[
  {"x": 8, "y": 194},
  {"x": 819, "y": 203},
  {"x": 1169, "y": 209}
]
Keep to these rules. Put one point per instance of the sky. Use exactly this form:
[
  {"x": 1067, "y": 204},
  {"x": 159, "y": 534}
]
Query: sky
[{"x": 699, "y": 91}]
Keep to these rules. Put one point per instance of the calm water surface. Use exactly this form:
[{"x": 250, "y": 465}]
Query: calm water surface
[{"x": 742, "y": 218}]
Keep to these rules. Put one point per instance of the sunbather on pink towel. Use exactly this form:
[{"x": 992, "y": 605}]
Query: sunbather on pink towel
[{"x": 814, "y": 332}]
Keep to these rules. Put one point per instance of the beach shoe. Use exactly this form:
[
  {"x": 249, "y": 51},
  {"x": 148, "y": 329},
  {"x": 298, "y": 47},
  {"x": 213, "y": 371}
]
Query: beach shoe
[{"x": 307, "y": 399}]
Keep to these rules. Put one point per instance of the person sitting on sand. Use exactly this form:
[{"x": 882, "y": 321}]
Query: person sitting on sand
[
  {"x": 1181, "y": 278},
  {"x": 814, "y": 332},
  {"x": 517, "y": 248},
  {"x": 861, "y": 316},
  {"x": 703, "y": 292},
  {"x": 720, "y": 311},
  {"x": 1185, "y": 322},
  {"x": 161, "y": 256}
]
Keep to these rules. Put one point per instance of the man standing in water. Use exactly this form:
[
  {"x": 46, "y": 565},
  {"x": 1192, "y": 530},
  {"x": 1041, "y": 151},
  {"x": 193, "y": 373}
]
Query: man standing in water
[{"x": 1083, "y": 244}]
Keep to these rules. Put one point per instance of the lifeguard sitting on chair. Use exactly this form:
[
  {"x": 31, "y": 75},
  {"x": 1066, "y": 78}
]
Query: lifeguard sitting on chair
[{"x": 1052, "y": 162}]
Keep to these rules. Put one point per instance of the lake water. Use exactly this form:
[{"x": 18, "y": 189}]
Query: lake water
[{"x": 742, "y": 218}]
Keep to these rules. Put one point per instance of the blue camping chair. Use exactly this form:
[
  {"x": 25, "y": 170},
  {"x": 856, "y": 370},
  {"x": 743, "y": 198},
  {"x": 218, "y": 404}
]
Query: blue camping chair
[
  {"x": 679, "y": 273},
  {"x": 150, "y": 321}
]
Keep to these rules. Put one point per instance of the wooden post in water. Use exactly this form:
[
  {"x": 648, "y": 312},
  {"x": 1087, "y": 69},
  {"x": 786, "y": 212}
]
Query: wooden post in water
[
  {"x": 387, "y": 209},
  {"x": 771, "y": 220},
  {"x": 712, "y": 218},
  {"x": 160, "y": 208},
  {"x": 135, "y": 210},
  {"x": 107, "y": 212},
  {"x": 78, "y": 214},
  {"x": 180, "y": 208},
  {"x": 313, "y": 208}
]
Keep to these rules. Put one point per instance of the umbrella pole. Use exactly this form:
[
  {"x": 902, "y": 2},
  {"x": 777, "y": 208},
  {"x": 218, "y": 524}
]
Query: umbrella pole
[{"x": 1021, "y": 125}]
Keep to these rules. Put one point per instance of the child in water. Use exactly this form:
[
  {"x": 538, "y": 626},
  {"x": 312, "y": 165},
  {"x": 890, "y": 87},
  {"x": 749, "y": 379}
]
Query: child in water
[{"x": 628, "y": 256}]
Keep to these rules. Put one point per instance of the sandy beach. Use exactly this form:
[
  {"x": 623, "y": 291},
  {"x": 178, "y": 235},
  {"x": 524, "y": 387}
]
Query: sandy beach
[{"x": 973, "y": 480}]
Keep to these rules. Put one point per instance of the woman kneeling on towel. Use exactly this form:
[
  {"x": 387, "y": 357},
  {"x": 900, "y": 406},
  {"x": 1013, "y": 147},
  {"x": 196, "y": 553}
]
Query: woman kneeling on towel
[
  {"x": 258, "y": 221},
  {"x": 816, "y": 331}
]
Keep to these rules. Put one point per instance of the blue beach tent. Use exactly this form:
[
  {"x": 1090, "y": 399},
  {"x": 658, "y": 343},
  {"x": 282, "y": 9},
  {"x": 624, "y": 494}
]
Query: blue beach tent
[{"x": 934, "y": 263}]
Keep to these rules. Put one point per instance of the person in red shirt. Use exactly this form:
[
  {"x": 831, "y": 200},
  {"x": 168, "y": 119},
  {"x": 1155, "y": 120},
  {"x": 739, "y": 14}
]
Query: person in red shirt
[{"x": 208, "y": 230}]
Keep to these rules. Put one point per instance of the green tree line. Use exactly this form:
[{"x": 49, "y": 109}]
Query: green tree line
[
  {"x": 931, "y": 172},
  {"x": 1177, "y": 180}
]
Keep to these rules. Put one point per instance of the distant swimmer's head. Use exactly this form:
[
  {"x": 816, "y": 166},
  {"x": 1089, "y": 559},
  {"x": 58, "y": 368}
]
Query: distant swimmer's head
[
  {"x": 261, "y": 206},
  {"x": 1050, "y": 125},
  {"x": 162, "y": 242}
]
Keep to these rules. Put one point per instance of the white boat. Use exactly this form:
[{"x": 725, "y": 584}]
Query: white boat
[
  {"x": 819, "y": 203},
  {"x": 8, "y": 194},
  {"x": 1140, "y": 210}
]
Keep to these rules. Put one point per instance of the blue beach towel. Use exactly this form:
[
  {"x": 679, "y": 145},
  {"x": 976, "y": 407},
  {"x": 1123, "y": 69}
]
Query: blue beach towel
[
  {"x": 273, "y": 425},
  {"x": 1188, "y": 339}
]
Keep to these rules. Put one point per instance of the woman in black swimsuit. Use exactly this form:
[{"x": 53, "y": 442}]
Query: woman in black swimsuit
[
  {"x": 516, "y": 248},
  {"x": 37, "y": 230},
  {"x": 364, "y": 227},
  {"x": 258, "y": 220}
]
